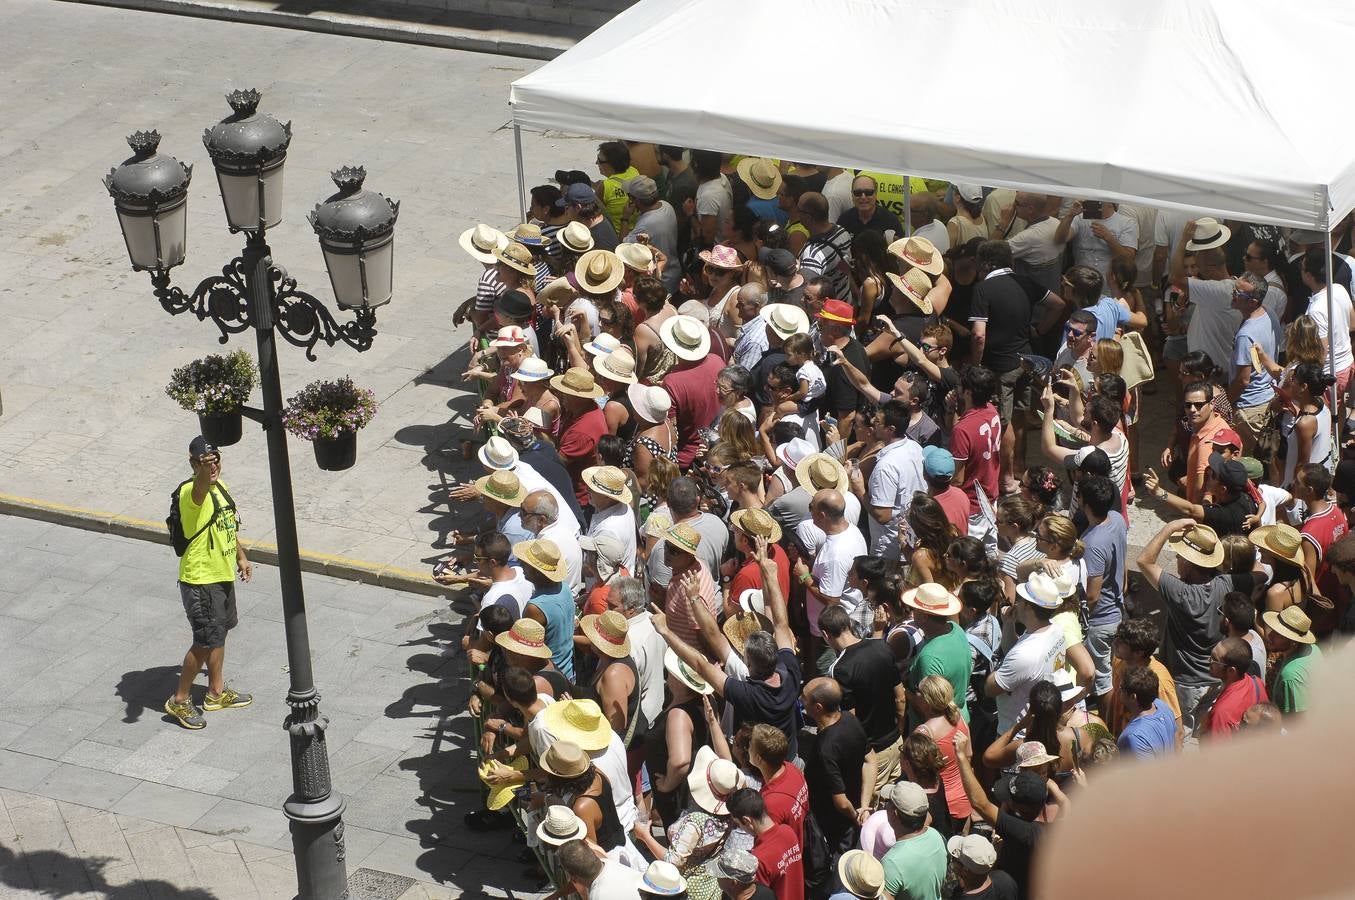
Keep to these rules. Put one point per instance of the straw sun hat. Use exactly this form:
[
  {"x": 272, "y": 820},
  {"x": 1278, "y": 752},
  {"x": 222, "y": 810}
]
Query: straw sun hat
[
  {"x": 1291, "y": 622},
  {"x": 503, "y": 486},
  {"x": 618, "y": 366},
  {"x": 757, "y": 523},
  {"x": 607, "y": 633},
  {"x": 712, "y": 781},
  {"x": 527, "y": 637},
  {"x": 599, "y": 272},
  {"x": 576, "y": 382},
  {"x": 560, "y": 826},
  {"x": 914, "y": 285},
  {"x": 565, "y": 759},
  {"x": 933, "y": 599},
  {"x": 542, "y": 555},
  {"x": 609, "y": 481},
  {"x": 761, "y": 176},
  {"x": 578, "y": 722},
  {"x": 688, "y": 338},
  {"x": 516, "y": 257},
  {"x": 686, "y": 674},
  {"x": 919, "y": 253},
  {"x": 1198, "y": 544},
  {"x": 819, "y": 471},
  {"x": 480, "y": 241}
]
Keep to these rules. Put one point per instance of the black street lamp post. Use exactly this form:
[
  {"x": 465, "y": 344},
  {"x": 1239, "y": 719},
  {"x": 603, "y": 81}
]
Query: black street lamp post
[{"x": 356, "y": 232}]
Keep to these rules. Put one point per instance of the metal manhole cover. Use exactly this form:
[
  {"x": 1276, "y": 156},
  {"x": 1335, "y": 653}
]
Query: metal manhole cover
[{"x": 369, "y": 884}]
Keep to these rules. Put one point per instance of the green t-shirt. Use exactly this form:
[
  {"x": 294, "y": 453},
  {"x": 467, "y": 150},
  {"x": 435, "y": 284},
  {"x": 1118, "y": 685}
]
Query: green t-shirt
[
  {"x": 916, "y": 868},
  {"x": 614, "y": 197},
  {"x": 946, "y": 655},
  {"x": 211, "y": 558},
  {"x": 1291, "y": 685}
]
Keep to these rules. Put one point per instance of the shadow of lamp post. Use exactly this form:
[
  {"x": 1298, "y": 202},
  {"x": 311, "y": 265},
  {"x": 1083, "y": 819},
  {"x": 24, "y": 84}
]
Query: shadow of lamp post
[{"x": 356, "y": 231}]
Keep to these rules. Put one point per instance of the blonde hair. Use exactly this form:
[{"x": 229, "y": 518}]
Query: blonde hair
[
  {"x": 1302, "y": 343},
  {"x": 938, "y": 695},
  {"x": 1058, "y": 529},
  {"x": 1239, "y": 554},
  {"x": 738, "y": 433},
  {"x": 662, "y": 471},
  {"x": 1109, "y": 356}
]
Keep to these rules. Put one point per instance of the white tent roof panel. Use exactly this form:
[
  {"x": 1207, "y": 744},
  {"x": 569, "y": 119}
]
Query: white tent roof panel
[{"x": 1225, "y": 106}]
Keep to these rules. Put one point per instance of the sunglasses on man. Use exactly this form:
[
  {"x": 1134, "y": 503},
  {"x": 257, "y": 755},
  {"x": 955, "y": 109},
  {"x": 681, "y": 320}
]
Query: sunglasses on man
[{"x": 863, "y": 192}]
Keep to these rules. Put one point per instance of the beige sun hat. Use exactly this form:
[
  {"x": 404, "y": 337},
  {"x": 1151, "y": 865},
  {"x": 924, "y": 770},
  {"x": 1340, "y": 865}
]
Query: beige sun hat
[
  {"x": 1291, "y": 622},
  {"x": 533, "y": 368},
  {"x": 785, "y": 319},
  {"x": 756, "y": 522},
  {"x": 607, "y": 633},
  {"x": 480, "y": 241},
  {"x": 609, "y": 481},
  {"x": 915, "y": 285},
  {"x": 1209, "y": 233},
  {"x": 509, "y": 336},
  {"x": 544, "y": 556},
  {"x": 1281, "y": 540},
  {"x": 516, "y": 256},
  {"x": 685, "y": 673},
  {"x": 529, "y": 234},
  {"x": 575, "y": 237},
  {"x": 577, "y": 382},
  {"x": 527, "y": 637},
  {"x": 712, "y": 781},
  {"x": 761, "y": 175},
  {"x": 579, "y": 722},
  {"x": 684, "y": 537},
  {"x": 564, "y": 758},
  {"x": 618, "y": 366},
  {"x": 919, "y": 252},
  {"x": 497, "y": 453},
  {"x": 933, "y": 599},
  {"x": 637, "y": 257},
  {"x": 819, "y": 471},
  {"x": 1199, "y": 544},
  {"x": 599, "y": 272},
  {"x": 502, "y": 486},
  {"x": 650, "y": 403},
  {"x": 738, "y": 628},
  {"x": 861, "y": 874},
  {"x": 688, "y": 338},
  {"x": 560, "y": 827}
]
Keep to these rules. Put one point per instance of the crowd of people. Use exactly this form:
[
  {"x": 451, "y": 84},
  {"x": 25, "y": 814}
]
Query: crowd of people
[{"x": 804, "y": 565}]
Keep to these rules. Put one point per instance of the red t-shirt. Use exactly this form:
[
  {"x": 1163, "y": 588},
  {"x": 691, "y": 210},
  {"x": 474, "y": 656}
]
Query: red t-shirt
[
  {"x": 955, "y": 503},
  {"x": 750, "y": 576},
  {"x": 579, "y": 447},
  {"x": 596, "y": 604},
  {"x": 1232, "y": 702},
  {"x": 1323, "y": 530},
  {"x": 779, "y": 864},
  {"x": 695, "y": 403},
  {"x": 976, "y": 442},
  {"x": 787, "y": 798}
]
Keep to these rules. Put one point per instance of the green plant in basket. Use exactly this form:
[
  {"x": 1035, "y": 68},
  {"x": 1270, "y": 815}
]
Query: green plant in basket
[
  {"x": 214, "y": 385},
  {"x": 328, "y": 409}
]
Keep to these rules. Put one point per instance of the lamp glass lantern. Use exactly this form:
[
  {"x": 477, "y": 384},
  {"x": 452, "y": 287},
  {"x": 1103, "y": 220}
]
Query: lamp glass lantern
[
  {"x": 248, "y": 150},
  {"x": 356, "y": 228},
  {"x": 150, "y": 194}
]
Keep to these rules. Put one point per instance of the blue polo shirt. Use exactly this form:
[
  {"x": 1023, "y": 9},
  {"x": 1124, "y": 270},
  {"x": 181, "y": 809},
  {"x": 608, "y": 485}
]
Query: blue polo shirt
[
  {"x": 1110, "y": 315},
  {"x": 1150, "y": 735}
]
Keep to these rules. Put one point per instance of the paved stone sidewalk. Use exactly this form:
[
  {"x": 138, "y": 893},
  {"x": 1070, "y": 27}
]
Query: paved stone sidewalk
[{"x": 91, "y": 636}]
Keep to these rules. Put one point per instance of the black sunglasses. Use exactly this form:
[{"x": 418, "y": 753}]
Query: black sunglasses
[{"x": 863, "y": 192}]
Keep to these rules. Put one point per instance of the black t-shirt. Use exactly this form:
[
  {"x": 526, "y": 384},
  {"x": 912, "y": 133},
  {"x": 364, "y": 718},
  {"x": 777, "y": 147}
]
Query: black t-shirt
[
  {"x": 833, "y": 766},
  {"x": 1005, "y": 305},
  {"x": 841, "y": 395},
  {"x": 545, "y": 461},
  {"x": 770, "y": 359},
  {"x": 868, "y": 677},
  {"x": 882, "y": 220},
  {"x": 604, "y": 235},
  {"x": 1000, "y": 887},
  {"x": 757, "y": 702},
  {"x": 1019, "y": 838},
  {"x": 1226, "y": 518}
]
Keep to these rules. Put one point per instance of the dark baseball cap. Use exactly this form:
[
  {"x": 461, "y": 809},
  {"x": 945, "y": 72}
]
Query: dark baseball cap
[
  {"x": 1230, "y": 473},
  {"x": 580, "y": 194},
  {"x": 1089, "y": 461},
  {"x": 1024, "y": 789},
  {"x": 780, "y": 262},
  {"x": 200, "y": 447}
]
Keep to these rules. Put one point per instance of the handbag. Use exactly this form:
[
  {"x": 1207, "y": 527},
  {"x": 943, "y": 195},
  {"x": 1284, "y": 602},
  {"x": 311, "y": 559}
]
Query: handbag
[{"x": 1138, "y": 362}]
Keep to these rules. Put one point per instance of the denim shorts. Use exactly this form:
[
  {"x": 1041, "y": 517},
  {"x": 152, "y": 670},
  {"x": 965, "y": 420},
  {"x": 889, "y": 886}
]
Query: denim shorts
[{"x": 211, "y": 611}]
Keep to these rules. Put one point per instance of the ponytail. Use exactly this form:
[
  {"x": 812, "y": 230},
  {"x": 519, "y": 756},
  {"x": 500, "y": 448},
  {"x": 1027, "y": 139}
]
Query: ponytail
[{"x": 1078, "y": 550}]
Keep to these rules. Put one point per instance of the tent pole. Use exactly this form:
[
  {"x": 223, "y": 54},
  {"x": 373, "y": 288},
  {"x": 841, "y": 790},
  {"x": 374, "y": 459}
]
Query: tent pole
[
  {"x": 907, "y": 206},
  {"x": 1337, "y": 412},
  {"x": 522, "y": 178}
]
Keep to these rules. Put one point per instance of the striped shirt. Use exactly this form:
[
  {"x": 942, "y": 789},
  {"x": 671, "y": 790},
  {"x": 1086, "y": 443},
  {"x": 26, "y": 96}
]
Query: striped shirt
[
  {"x": 489, "y": 289},
  {"x": 829, "y": 255},
  {"x": 1022, "y": 551}
]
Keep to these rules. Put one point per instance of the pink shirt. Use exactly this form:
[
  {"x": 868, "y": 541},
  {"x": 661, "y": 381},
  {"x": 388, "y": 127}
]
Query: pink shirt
[
  {"x": 695, "y": 403},
  {"x": 679, "y": 612},
  {"x": 877, "y": 836}
]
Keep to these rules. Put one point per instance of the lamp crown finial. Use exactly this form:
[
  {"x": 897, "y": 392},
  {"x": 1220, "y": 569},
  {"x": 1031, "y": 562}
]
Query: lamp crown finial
[
  {"x": 144, "y": 143},
  {"x": 244, "y": 102},
  {"x": 349, "y": 179}
]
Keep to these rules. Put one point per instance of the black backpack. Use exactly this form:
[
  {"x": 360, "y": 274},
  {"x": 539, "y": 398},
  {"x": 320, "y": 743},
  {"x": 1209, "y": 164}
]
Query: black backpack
[{"x": 174, "y": 522}]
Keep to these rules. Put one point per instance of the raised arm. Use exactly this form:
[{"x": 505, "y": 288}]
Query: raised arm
[
  {"x": 978, "y": 798},
  {"x": 1148, "y": 565},
  {"x": 771, "y": 596}
]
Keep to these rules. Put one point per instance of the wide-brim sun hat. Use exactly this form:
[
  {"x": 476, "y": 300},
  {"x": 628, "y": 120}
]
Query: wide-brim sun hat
[
  {"x": 712, "y": 781},
  {"x": 756, "y": 522},
  {"x": 793, "y": 452},
  {"x": 617, "y": 366},
  {"x": 526, "y": 637},
  {"x": 560, "y": 826},
  {"x": 919, "y": 253},
  {"x": 915, "y": 286},
  {"x": 1033, "y": 753},
  {"x": 608, "y": 481},
  {"x": 861, "y": 874},
  {"x": 650, "y": 403},
  {"x": 607, "y": 633},
  {"x": 599, "y": 272},
  {"x": 688, "y": 338},
  {"x": 575, "y": 237},
  {"x": 784, "y": 319},
  {"x": 636, "y": 257},
  {"x": 529, "y": 235},
  {"x": 737, "y": 629},
  {"x": 1209, "y": 233},
  {"x": 933, "y": 599},
  {"x": 686, "y": 674},
  {"x": 1291, "y": 622},
  {"x": 1198, "y": 544},
  {"x": 602, "y": 343},
  {"x": 577, "y": 382},
  {"x": 543, "y": 556},
  {"x": 566, "y": 758},
  {"x": 1280, "y": 540},
  {"x": 497, "y": 453},
  {"x": 480, "y": 241},
  {"x": 502, "y": 486},
  {"x": 509, "y": 336},
  {"x": 579, "y": 722},
  {"x": 503, "y": 794},
  {"x": 684, "y": 537},
  {"x": 722, "y": 257},
  {"x": 761, "y": 175},
  {"x": 517, "y": 257},
  {"x": 1041, "y": 590},
  {"x": 820, "y": 472},
  {"x": 533, "y": 368}
]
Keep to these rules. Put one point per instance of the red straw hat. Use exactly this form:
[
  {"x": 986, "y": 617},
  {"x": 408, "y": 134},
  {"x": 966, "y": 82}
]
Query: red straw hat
[{"x": 837, "y": 311}]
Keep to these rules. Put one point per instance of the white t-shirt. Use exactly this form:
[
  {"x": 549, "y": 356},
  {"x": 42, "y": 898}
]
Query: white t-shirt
[
  {"x": 647, "y": 649},
  {"x": 615, "y": 882},
  {"x": 533, "y": 481},
  {"x": 897, "y": 474},
  {"x": 811, "y": 536},
  {"x": 1035, "y": 245},
  {"x": 1275, "y": 497},
  {"x": 838, "y": 192},
  {"x": 567, "y": 540},
  {"x": 513, "y": 594},
  {"x": 934, "y": 231},
  {"x": 714, "y": 198},
  {"x": 1317, "y": 308},
  {"x": 832, "y": 564},
  {"x": 1167, "y": 230},
  {"x": 1090, "y": 250},
  {"x": 1214, "y": 323},
  {"x": 1031, "y": 660},
  {"x": 618, "y": 521},
  {"x": 811, "y": 373}
]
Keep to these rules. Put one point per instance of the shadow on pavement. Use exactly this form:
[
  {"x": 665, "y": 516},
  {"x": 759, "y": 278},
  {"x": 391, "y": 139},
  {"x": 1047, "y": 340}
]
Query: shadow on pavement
[
  {"x": 145, "y": 689},
  {"x": 51, "y": 873}
]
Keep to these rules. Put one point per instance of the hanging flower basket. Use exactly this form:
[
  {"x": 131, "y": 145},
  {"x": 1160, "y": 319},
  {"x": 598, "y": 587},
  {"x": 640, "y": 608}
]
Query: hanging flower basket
[
  {"x": 329, "y": 415},
  {"x": 215, "y": 387}
]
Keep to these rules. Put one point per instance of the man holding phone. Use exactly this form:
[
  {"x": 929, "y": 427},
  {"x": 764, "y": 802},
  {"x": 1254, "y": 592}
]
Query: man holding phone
[{"x": 1100, "y": 233}]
